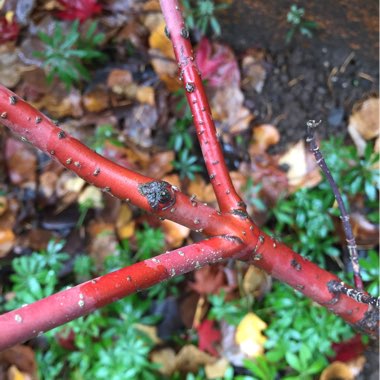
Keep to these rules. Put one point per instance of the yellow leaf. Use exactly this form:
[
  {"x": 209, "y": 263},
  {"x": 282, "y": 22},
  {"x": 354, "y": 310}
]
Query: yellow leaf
[{"x": 249, "y": 337}]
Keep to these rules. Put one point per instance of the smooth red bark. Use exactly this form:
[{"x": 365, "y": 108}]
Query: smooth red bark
[
  {"x": 225, "y": 192},
  {"x": 241, "y": 239},
  {"x": 31, "y": 320}
]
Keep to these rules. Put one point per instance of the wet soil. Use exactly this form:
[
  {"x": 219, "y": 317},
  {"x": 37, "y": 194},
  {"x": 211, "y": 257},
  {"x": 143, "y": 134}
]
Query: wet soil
[{"x": 310, "y": 78}]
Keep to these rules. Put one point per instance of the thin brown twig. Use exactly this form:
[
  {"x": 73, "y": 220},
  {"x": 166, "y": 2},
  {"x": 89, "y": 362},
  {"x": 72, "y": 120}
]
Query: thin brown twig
[{"x": 350, "y": 239}]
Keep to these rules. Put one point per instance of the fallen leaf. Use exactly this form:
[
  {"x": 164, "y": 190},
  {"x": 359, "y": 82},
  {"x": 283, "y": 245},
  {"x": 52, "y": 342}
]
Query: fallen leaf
[
  {"x": 364, "y": 122},
  {"x": 175, "y": 233},
  {"x": 47, "y": 183},
  {"x": 256, "y": 282},
  {"x": 21, "y": 163},
  {"x": 140, "y": 120},
  {"x": 303, "y": 170},
  {"x": 253, "y": 70},
  {"x": 337, "y": 370},
  {"x": 78, "y": 9},
  {"x": 145, "y": 94},
  {"x": 9, "y": 29},
  {"x": 208, "y": 337},
  {"x": 163, "y": 164},
  {"x": 59, "y": 104},
  {"x": 164, "y": 61},
  {"x": 218, "y": 369},
  {"x": 190, "y": 359},
  {"x": 3, "y": 204},
  {"x": 96, "y": 100},
  {"x": 20, "y": 356},
  {"x": 210, "y": 280},
  {"x": 263, "y": 136},
  {"x": 228, "y": 109},
  {"x": 15, "y": 374},
  {"x": 7, "y": 240},
  {"x": 201, "y": 190},
  {"x": 249, "y": 337},
  {"x": 230, "y": 350},
  {"x": 149, "y": 331},
  {"x": 125, "y": 226},
  {"x": 119, "y": 80},
  {"x": 92, "y": 196},
  {"x": 10, "y": 67},
  {"x": 165, "y": 358},
  {"x": 217, "y": 64},
  {"x": 103, "y": 241}
]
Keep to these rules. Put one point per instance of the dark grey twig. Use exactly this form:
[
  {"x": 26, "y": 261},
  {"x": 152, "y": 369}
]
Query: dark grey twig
[
  {"x": 350, "y": 239},
  {"x": 339, "y": 287}
]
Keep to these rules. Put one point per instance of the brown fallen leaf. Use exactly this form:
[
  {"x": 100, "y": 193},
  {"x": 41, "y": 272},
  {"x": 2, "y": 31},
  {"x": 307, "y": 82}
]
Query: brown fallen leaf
[
  {"x": 263, "y": 136},
  {"x": 218, "y": 369},
  {"x": 256, "y": 282},
  {"x": 3, "y": 204},
  {"x": 21, "y": 357},
  {"x": 59, "y": 104},
  {"x": 21, "y": 162},
  {"x": 337, "y": 370},
  {"x": 190, "y": 358},
  {"x": 227, "y": 108},
  {"x": 163, "y": 61},
  {"x": 253, "y": 70},
  {"x": 10, "y": 67},
  {"x": 125, "y": 226},
  {"x": 165, "y": 358},
  {"x": 119, "y": 80},
  {"x": 15, "y": 374},
  {"x": 145, "y": 94},
  {"x": 7, "y": 240},
  {"x": 303, "y": 171},
  {"x": 103, "y": 241},
  {"x": 96, "y": 100},
  {"x": 175, "y": 233},
  {"x": 364, "y": 122},
  {"x": 163, "y": 164},
  {"x": 201, "y": 190},
  {"x": 149, "y": 331}
]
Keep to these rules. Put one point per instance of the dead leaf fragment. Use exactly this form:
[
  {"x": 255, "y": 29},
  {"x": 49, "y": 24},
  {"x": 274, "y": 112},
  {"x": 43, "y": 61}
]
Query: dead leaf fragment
[
  {"x": 303, "y": 170},
  {"x": 3, "y": 204},
  {"x": 166, "y": 359},
  {"x": 264, "y": 136},
  {"x": 256, "y": 282},
  {"x": 337, "y": 370},
  {"x": 175, "y": 233},
  {"x": 217, "y": 370},
  {"x": 145, "y": 94},
  {"x": 96, "y": 100},
  {"x": 191, "y": 358},
  {"x": 15, "y": 374},
  {"x": 249, "y": 335},
  {"x": 7, "y": 240}
]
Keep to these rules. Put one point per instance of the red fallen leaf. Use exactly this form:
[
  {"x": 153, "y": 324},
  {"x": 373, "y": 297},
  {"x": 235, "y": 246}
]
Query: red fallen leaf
[
  {"x": 66, "y": 338},
  {"x": 208, "y": 336},
  {"x": 78, "y": 9},
  {"x": 348, "y": 350},
  {"x": 9, "y": 31},
  {"x": 219, "y": 67},
  {"x": 211, "y": 280}
]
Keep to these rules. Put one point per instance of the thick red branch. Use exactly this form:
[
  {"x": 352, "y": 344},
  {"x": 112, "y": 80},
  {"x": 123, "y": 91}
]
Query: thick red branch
[
  {"x": 225, "y": 193},
  {"x": 31, "y": 320},
  {"x": 39, "y": 130}
]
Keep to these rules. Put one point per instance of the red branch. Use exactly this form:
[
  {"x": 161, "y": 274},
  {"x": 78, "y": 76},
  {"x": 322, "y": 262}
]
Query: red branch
[
  {"x": 225, "y": 192},
  {"x": 238, "y": 237},
  {"x": 34, "y": 319}
]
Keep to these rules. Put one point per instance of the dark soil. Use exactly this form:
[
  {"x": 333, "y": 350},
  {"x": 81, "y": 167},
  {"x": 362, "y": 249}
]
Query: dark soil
[{"x": 318, "y": 78}]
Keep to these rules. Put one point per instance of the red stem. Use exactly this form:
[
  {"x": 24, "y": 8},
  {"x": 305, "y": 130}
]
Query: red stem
[
  {"x": 225, "y": 192},
  {"x": 29, "y": 321},
  {"x": 39, "y": 130}
]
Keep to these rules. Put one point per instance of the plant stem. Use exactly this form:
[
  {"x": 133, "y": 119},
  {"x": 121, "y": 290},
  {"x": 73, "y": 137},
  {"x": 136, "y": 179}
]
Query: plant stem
[
  {"x": 350, "y": 239},
  {"x": 225, "y": 192},
  {"x": 31, "y": 320}
]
